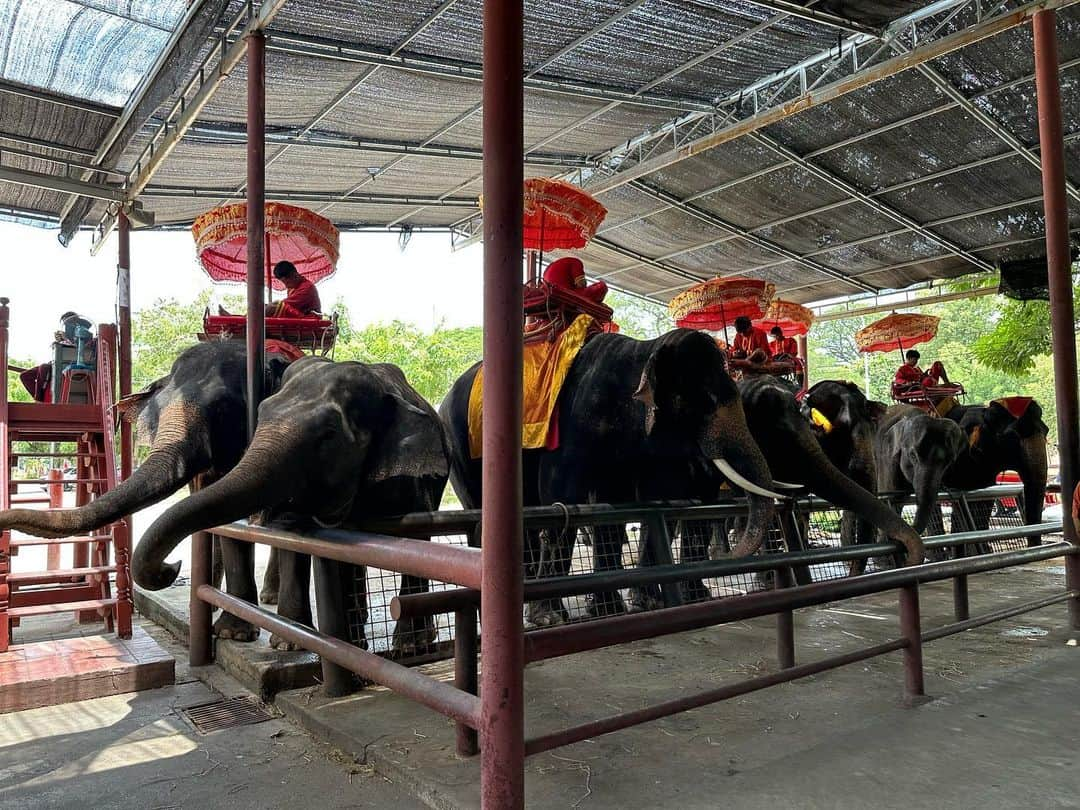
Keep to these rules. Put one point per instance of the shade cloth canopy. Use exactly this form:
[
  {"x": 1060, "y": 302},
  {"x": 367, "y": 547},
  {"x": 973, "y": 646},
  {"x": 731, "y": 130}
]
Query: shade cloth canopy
[
  {"x": 792, "y": 318},
  {"x": 898, "y": 330},
  {"x": 293, "y": 234},
  {"x": 715, "y": 304}
]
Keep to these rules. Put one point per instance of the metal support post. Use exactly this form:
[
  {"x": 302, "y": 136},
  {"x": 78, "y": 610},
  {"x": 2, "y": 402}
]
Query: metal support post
[
  {"x": 804, "y": 355},
  {"x": 1063, "y": 325},
  {"x": 256, "y": 221},
  {"x": 465, "y": 672},
  {"x": 200, "y": 634},
  {"x": 123, "y": 318},
  {"x": 502, "y": 732},
  {"x": 785, "y": 624},
  {"x": 911, "y": 630}
]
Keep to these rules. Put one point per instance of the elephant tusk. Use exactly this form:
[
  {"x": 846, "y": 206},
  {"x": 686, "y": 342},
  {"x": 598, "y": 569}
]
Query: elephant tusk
[
  {"x": 786, "y": 485},
  {"x": 725, "y": 467}
]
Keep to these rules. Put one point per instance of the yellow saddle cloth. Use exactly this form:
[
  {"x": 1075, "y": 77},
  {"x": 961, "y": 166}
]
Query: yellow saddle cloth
[{"x": 544, "y": 370}]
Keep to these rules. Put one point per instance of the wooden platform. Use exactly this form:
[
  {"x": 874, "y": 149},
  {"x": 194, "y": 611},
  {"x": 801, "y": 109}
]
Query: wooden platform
[{"x": 49, "y": 672}]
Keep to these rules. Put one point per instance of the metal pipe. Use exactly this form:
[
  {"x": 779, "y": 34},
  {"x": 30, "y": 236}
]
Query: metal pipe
[
  {"x": 502, "y": 732},
  {"x": 785, "y": 625},
  {"x": 911, "y": 630},
  {"x": 998, "y": 615},
  {"x": 608, "y": 724},
  {"x": 450, "y": 600},
  {"x": 1062, "y": 323},
  {"x": 200, "y": 633},
  {"x": 409, "y": 683},
  {"x": 466, "y": 676},
  {"x": 554, "y": 642},
  {"x": 256, "y": 222},
  {"x": 123, "y": 310},
  {"x": 421, "y": 558}
]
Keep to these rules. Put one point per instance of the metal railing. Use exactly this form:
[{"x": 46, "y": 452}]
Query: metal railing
[{"x": 779, "y": 594}]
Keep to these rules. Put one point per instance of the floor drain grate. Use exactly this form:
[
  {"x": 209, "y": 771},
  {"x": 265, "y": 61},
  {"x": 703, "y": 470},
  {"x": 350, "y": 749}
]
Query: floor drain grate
[{"x": 237, "y": 711}]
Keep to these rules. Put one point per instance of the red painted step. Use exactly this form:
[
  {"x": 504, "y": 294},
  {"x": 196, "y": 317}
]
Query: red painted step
[
  {"x": 26, "y": 542},
  {"x": 44, "y": 577},
  {"x": 61, "y": 607}
]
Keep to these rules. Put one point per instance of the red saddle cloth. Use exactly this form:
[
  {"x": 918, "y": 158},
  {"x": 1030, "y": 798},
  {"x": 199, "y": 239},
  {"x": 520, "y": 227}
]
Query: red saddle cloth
[
  {"x": 236, "y": 325},
  {"x": 1016, "y": 406}
]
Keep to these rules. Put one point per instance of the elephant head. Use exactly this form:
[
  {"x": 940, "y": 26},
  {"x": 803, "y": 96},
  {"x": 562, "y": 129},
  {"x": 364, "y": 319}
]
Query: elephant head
[
  {"x": 691, "y": 401},
  {"x": 793, "y": 451},
  {"x": 1003, "y": 435},
  {"x": 845, "y": 424},
  {"x": 337, "y": 443},
  {"x": 194, "y": 419}
]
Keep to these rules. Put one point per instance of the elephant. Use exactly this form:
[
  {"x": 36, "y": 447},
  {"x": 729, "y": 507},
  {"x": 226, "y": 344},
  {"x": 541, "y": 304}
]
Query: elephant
[
  {"x": 847, "y": 436},
  {"x": 914, "y": 451},
  {"x": 794, "y": 454},
  {"x": 997, "y": 440},
  {"x": 337, "y": 445},
  {"x": 196, "y": 421},
  {"x": 638, "y": 420}
]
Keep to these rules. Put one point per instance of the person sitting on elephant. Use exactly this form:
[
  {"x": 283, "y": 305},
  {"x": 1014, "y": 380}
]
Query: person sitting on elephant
[
  {"x": 302, "y": 300},
  {"x": 782, "y": 348},
  {"x": 910, "y": 376},
  {"x": 750, "y": 342},
  {"x": 568, "y": 273}
]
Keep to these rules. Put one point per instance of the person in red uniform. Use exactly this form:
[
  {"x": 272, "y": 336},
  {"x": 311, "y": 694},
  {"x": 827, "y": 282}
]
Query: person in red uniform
[
  {"x": 782, "y": 347},
  {"x": 302, "y": 300},
  {"x": 910, "y": 375},
  {"x": 750, "y": 342},
  {"x": 569, "y": 274}
]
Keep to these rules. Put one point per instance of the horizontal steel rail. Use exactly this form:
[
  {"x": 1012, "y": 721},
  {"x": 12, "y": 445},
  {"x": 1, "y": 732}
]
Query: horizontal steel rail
[
  {"x": 421, "y": 558},
  {"x": 441, "y": 697},
  {"x": 555, "y": 642},
  {"x": 436, "y": 602}
]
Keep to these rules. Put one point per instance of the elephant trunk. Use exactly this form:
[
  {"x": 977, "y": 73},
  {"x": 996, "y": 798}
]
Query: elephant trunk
[
  {"x": 823, "y": 478},
  {"x": 926, "y": 489},
  {"x": 179, "y": 453},
  {"x": 255, "y": 483},
  {"x": 729, "y": 439},
  {"x": 1033, "y": 473}
]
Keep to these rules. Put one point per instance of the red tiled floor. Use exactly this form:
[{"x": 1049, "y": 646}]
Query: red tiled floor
[{"x": 45, "y": 673}]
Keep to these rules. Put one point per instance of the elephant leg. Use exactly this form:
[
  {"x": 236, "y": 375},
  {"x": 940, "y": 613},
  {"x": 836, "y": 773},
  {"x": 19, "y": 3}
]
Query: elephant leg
[
  {"x": 849, "y": 536},
  {"x": 694, "y": 547},
  {"x": 654, "y": 548},
  {"x": 335, "y": 587},
  {"x": 417, "y": 634},
  {"x": 547, "y": 554},
  {"x": 271, "y": 580},
  {"x": 607, "y": 556},
  {"x": 239, "y": 561},
  {"x": 294, "y": 595}
]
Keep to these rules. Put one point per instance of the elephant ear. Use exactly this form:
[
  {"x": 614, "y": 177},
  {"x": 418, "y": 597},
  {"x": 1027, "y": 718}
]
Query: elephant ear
[
  {"x": 410, "y": 443},
  {"x": 130, "y": 408},
  {"x": 875, "y": 411}
]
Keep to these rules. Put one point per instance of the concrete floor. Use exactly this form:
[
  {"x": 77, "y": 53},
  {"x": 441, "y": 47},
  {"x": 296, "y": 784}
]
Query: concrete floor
[
  {"x": 136, "y": 752},
  {"x": 1001, "y": 731}
]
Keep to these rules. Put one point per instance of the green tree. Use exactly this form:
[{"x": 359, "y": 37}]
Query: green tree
[{"x": 637, "y": 317}]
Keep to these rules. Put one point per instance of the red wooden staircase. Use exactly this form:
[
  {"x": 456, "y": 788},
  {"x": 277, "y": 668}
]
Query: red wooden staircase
[{"x": 98, "y": 583}]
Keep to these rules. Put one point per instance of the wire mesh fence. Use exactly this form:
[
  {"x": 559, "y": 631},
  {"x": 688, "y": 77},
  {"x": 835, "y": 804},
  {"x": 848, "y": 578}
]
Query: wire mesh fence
[{"x": 578, "y": 545}]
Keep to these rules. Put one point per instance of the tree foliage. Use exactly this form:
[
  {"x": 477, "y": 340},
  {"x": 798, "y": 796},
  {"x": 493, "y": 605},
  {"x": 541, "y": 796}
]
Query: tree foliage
[{"x": 638, "y": 318}]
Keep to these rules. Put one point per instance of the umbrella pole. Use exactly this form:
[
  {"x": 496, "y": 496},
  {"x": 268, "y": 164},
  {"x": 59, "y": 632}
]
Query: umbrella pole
[{"x": 269, "y": 273}]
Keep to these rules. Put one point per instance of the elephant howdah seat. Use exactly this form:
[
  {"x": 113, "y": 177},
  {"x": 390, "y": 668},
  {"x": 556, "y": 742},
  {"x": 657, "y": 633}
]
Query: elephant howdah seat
[
  {"x": 550, "y": 310},
  {"x": 315, "y": 335},
  {"x": 791, "y": 368},
  {"x": 926, "y": 397}
]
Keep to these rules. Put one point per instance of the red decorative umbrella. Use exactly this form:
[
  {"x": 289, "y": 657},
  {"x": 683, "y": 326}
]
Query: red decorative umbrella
[
  {"x": 793, "y": 319},
  {"x": 559, "y": 215},
  {"x": 898, "y": 330},
  {"x": 294, "y": 234},
  {"x": 718, "y": 302}
]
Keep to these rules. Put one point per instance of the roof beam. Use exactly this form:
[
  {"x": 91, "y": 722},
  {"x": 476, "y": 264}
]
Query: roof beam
[
  {"x": 187, "y": 110},
  {"x": 986, "y": 28},
  {"x": 48, "y": 97},
  {"x": 65, "y": 185},
  {"x": 42, "y": 143},
  {"x": 760, "y": 242},
  {"x": 214, "y": 134},
  {"x": 913, "y": 303},
  {"x": 129, "y": 17},
  {"x": 411, "y": 62},
  {"x": 821, "y": 17},
  {"x": 192, "y": 192}
]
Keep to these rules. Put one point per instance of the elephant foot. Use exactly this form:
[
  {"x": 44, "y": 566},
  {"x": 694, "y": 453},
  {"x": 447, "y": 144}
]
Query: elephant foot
[
  {"x": 283, "y": 645},
  {"x": 644, "y": 599},
  {"x": 608, "y": 603},
  {"x": 546, "y": 613},
  {"x": 696, "y": 591},
  {"x": 856, "y": 568},
  {"x": 939, "y": 554},
  {"x": 268, "y": 596},
  {"x": 229, "y": 627},
  {"x": 413, "y": 636}
]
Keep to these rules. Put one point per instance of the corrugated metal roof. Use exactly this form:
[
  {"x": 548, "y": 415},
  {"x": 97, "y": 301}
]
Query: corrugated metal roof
[{"x": 374, "y": 119}]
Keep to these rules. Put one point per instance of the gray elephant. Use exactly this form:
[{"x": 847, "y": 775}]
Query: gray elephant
[
  {"x": 914, "y": 451},
  {"x": 337, "y": 445},
  {"x": 195, "y": 420},
  {"x": 638, "y": 421}
]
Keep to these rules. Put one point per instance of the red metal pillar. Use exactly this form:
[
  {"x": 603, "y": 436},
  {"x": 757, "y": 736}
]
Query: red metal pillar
[
  {"x": 123, "y": 316},
  {"x": 502, "y": 732},
  {"x": 256, "y": 220},
  {"x": 5, "y": 482},
  {"x": 1062, "y": 323}
]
